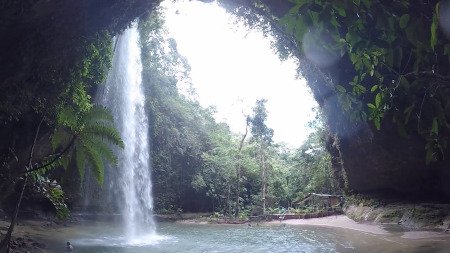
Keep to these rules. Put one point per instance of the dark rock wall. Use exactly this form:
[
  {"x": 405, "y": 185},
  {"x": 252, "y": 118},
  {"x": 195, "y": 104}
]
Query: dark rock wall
[{"x": 365, "y": 161}]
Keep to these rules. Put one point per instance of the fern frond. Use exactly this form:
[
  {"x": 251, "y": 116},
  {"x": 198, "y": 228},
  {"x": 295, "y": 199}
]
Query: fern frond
[
  {"x": 98, "y": 114},
  {"x": 96, "y": 163},
  {"x": 80, "y": 160},
  {"x": 105, "y": 132},
  {"x": 56, "y": 164},
  {"x": 103, "y": 149},
  {"x": 67, "y": 117}
]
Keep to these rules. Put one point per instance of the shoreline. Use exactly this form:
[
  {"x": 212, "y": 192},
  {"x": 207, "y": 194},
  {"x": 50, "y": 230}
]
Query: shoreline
[
  {"x": 340, "y": 222},
  {"x": 336, "y": 221},
  {"x": 32, "y": 231}
]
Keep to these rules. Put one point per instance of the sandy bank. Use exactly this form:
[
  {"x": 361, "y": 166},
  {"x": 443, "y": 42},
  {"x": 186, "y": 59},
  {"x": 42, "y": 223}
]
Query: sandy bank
[
  {"x": 342, "y": 221},
  {"x": 339, "y": 221}
]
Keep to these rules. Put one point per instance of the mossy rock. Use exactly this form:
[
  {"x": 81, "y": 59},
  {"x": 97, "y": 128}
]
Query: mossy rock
[{"x": 390, "y": 216}]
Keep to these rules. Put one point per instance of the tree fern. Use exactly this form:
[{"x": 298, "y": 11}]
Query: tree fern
[
  {"x": 86, "y": 139},
  {"x": 105, "y": 132},
  {"x": 96, "y": 163},
  {"x": 98, "y": 114},
  {"x": 103, "y": 149},
  {"x": 67, "y": 118}
]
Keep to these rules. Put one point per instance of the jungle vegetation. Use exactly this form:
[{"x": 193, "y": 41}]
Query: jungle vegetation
[{"x": 199, "y": 164}]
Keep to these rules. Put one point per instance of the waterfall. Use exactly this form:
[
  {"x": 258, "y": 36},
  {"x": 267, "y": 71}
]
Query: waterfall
[{"x": 123, "y": 95}]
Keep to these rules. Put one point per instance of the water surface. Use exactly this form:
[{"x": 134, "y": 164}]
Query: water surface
[{"x": 177, "y": 237}]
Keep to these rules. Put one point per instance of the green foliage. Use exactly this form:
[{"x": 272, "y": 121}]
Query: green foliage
[
  {"x": 196, "y": 161},
  {"x": 397, "y": 50},
  {"x": 259, "y": 129},
  {"x": 86, "y": 139},
  {"x": 53, "y": 192},
  {"x": 179, "y": 127}
]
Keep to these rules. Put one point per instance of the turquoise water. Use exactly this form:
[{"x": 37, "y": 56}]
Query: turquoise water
[{"x": 176, "y": 237}]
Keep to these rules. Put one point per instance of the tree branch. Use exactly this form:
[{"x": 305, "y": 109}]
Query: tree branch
[
  {"x": 30, "y": 158},
  {"x": 429, "y": 73},
  {"x": 57, "y": 157}
]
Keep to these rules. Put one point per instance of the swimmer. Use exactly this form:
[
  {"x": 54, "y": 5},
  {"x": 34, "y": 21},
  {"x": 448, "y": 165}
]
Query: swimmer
[{"x": 69, "y": 247}]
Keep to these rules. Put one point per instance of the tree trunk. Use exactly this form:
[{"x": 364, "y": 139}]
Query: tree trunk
[
  {"x": 4, "y": 244},
  {"x": 263, "y": 178},
  {"x": 239, "y": 169},
  {"x": 238, "y": 189},
  {"x": 228, "y": 199}
]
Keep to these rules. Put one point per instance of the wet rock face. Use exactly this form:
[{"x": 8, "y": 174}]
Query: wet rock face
[
  {"x": 408, "y": 216},
  {"x": 382, "y": 163}
]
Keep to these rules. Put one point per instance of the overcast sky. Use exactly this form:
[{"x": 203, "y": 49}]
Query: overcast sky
[{"x": 232, "y": 68}]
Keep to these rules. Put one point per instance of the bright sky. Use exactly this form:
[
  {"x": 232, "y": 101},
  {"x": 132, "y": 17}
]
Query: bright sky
[{"x": 231, "y": 68}]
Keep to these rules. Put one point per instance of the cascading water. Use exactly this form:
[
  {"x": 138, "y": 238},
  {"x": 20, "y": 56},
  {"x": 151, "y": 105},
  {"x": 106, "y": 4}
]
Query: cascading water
[{"x": 123, "y": 95}]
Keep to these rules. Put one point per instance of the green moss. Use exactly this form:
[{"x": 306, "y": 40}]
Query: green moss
[{"x": 428, "y": 214}]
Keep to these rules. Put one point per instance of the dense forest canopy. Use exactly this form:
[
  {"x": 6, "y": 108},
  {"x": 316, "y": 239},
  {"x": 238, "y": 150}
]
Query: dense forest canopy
[{"x": 200, "y": 164}]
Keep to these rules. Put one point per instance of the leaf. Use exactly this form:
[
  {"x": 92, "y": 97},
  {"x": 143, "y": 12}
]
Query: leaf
[
  {"x": 340, "y": 8},
  {"x": 374, "y": 88},
  {"x": 371, "y": 106},
  {"x": 97, "y": 114},
  {"x": 103, "y": 149},
  {"x": 96, "y": 164},
  {"x": 434, "y": 27},
  {"x": 361, "y": 88},
  {"x": 300, "y": 30},
  {"x": 80, "y": 160},
  {"x": 341, "y": 88},
  {"x": 377, "y": 122},
  {"x": 107, "y": 133},
  {"x": 67, "y": 117},
  {"x": 404, "y": 21},
  {"x": 378, "y": 100},
  {"x": 434, "y": 127}
]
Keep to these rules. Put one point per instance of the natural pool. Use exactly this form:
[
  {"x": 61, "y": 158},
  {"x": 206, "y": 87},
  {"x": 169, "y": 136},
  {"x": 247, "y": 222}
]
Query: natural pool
[{"x": 177, "y": 237}]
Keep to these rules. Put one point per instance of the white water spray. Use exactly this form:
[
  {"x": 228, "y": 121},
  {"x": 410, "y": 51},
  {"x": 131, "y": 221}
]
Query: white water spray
[{"x": 123, "y": 95}]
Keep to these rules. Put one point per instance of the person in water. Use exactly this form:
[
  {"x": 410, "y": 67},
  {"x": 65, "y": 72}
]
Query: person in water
[{"x": 69, "y": 247}]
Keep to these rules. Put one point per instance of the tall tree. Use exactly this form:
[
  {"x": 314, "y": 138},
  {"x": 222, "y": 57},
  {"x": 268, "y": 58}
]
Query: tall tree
[
  {"x": 263, "y": 136},
  {"x": 239, "y": 166}
]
